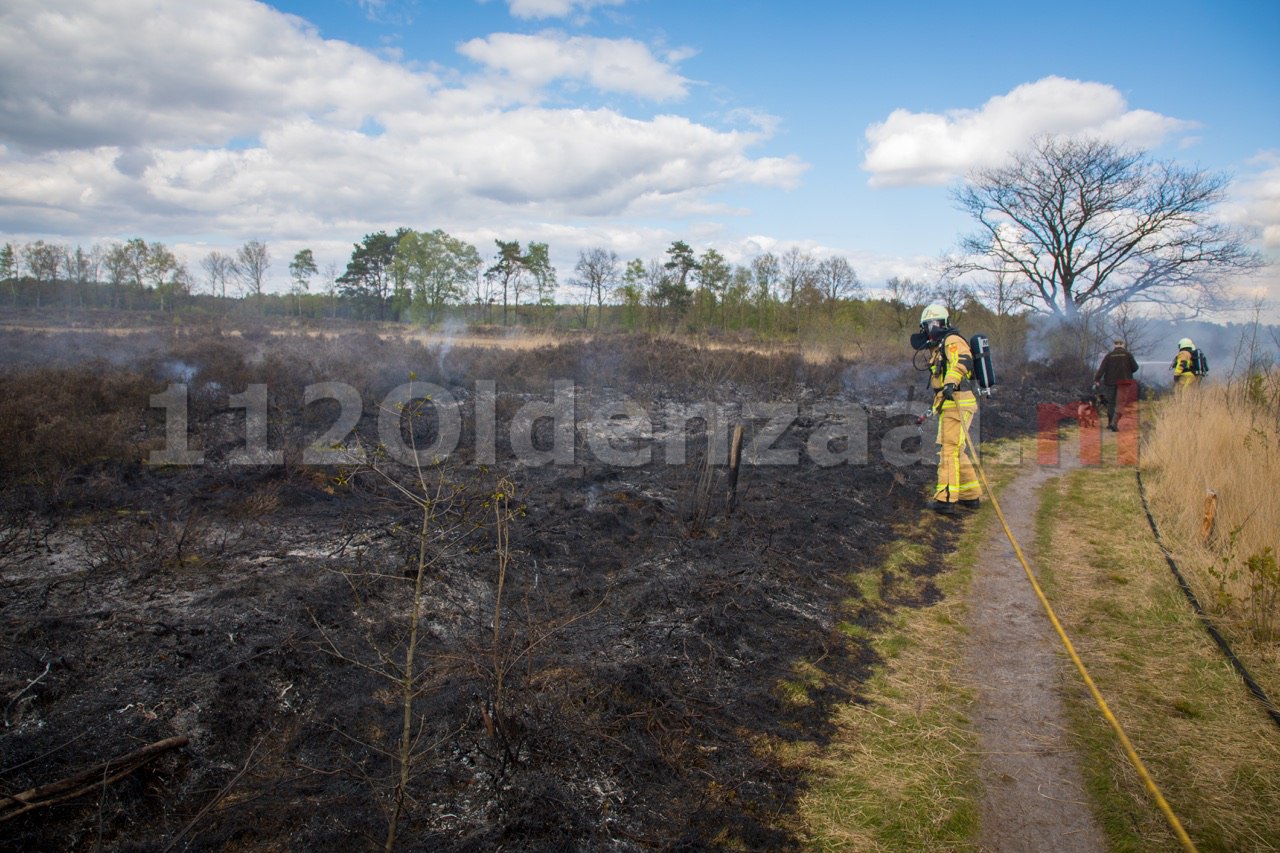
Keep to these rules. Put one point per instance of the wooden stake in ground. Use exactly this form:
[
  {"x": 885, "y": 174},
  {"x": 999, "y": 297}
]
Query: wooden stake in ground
[
  {"x": 1210, "y": 513},
  {"x": 735, "y": 459}
]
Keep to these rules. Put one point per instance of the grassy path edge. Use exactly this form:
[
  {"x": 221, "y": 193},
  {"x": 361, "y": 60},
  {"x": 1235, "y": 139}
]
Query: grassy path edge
[{"x": 902, "y": 772}]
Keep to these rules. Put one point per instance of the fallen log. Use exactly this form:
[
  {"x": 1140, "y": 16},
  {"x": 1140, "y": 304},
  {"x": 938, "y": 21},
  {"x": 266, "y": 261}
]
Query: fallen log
[{"x": 86, "y": 780}]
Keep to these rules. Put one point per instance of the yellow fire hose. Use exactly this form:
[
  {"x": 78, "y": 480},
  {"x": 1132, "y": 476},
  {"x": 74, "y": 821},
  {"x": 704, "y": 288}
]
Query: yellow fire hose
[{"x": 1141, "y": 769}]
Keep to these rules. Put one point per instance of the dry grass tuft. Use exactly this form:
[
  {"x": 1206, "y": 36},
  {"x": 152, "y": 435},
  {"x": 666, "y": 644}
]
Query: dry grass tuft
[{"x": 1218, "y": 448}]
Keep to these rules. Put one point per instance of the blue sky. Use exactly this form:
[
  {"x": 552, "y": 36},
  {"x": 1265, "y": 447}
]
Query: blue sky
[{"x": 836, "y": 127}]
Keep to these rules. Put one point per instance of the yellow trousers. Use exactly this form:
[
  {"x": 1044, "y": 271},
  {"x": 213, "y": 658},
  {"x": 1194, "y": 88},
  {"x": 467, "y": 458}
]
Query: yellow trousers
[{"x": 957, "y": 480}]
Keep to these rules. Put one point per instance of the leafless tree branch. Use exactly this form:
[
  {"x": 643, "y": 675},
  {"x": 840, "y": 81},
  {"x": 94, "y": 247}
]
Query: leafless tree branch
[{"x": 1088, "y": 225}]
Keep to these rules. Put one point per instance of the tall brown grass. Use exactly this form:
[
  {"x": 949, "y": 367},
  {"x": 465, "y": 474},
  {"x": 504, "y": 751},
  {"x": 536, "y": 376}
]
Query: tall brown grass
[{"x": 1223, "y": 438}]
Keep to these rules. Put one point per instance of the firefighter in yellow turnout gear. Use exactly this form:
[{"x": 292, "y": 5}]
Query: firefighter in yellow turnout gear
[
  {"x": 950, "y": 372},
  {"x": 1184, "y": 373}
]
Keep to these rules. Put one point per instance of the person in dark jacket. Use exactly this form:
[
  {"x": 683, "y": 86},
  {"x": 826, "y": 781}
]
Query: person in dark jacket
[{"x": 1117, "y": 366}]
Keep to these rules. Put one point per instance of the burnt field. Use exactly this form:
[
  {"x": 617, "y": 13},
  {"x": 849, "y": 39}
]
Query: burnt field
[{"x": 482, "y": 596}]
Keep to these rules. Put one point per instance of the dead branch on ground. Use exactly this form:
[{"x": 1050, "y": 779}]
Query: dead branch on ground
[{"x": 85, "y": 781}]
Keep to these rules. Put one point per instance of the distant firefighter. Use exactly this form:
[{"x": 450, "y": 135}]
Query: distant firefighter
[
  {"x": 1188, "y": 365},
  {"x": 1117, "y": 366}
]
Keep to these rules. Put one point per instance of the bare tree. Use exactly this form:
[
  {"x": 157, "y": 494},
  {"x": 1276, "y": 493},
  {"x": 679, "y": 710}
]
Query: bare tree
[
  {"x": 44, "y": 261},
  {"x": 799, "y": 272},
  {"x": 1001, "y": 293},
  {"x": 1127, "y": 324},
  {"x": 904, "y": 295},
  {"x": 218, "y": 267},
  {"x": 837, "y": 279},
  {"x": 250, "y": 267},
  {"x": 481, "y": 296},
  {"x": 597, "y": 273},
  {"x": 953, "y": 294},
  {"x": 331, "y": 286},
  {"x": 1092, "y": 226}
]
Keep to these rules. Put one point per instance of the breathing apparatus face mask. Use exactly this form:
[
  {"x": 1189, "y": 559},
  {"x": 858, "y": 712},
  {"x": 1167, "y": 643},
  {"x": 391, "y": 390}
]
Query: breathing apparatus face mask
[{"x": 930, "y": 332}]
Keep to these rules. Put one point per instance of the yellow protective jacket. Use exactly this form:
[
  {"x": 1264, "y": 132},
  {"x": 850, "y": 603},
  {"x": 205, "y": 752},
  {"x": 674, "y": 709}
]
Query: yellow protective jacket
[
  {"x": 951, "y": 363},
  {"x": 1182, "y": 367}
]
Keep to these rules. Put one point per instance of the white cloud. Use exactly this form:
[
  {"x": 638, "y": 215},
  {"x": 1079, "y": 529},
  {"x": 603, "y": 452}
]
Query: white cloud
[
  {"x": 1254, "y": 204},
  {"x": 531, "y": 161},
  {"x": 1256, "y": 199},
  {"x": 177, "y": 73},
  {"x": 611, "y": 65},
  {"x": 227, "y": 120},
  {"x": 556, "y": 8},
  {"x": 928, "y": 148}
]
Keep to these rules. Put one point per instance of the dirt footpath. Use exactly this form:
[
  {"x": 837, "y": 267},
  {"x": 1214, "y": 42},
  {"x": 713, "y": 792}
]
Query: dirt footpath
[{"x": 1034, "y": 797}]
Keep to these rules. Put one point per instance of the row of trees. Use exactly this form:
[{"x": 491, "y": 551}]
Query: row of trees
[
  {"x": 134, "y": 274},
  {"x": 418, "y": 276},
  {"x": 1073, "y": 228},
  {"x": 770, "y": 293}
]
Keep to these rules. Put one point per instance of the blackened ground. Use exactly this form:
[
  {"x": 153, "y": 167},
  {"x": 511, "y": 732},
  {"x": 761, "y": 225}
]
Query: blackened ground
[{"x": 628, "y": 690}]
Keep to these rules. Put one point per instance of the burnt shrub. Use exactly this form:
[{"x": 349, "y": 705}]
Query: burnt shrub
[
  {"x": 211, "y": 364},
  {"x": 59, "y": 421}
]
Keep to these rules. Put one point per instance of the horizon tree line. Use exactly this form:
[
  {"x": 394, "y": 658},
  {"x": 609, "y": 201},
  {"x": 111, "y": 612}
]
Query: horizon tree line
[{"x": 413, "y": 276}]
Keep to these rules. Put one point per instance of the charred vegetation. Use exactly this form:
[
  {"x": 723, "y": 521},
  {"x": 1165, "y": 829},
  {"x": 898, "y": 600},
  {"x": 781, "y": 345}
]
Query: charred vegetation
[{"x": 520, "y": 642}]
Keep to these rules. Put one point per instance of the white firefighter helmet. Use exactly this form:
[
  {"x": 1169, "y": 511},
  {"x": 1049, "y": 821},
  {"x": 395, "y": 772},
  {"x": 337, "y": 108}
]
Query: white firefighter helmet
[{"x": 933, "y": 312}]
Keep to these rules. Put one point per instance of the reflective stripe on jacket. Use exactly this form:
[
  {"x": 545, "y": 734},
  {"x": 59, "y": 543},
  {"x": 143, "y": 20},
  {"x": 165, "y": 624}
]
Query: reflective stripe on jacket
[
  {"x": 1182, "y": 363},
  {"x": 951, "y": 363}
]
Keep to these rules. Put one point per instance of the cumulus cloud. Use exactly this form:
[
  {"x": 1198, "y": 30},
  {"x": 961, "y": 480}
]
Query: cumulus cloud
[
  {"x": 1256, "y": 199},
  {"x": 612, "y": 65},
  {"x": 1254, "y": 204},
  {"x": 909, "y": 148},
  {"x": 84, "y": 73},
  {"x": 227, "y": 118}
]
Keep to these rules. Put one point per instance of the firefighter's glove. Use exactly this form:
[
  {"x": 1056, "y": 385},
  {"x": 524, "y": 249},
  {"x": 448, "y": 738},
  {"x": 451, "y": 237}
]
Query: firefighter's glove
[{"x": 949, "y": 391}]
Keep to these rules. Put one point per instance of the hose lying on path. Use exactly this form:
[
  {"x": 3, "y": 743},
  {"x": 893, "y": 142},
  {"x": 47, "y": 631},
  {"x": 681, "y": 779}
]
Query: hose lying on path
[{"x": 1138, "y": 766}]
